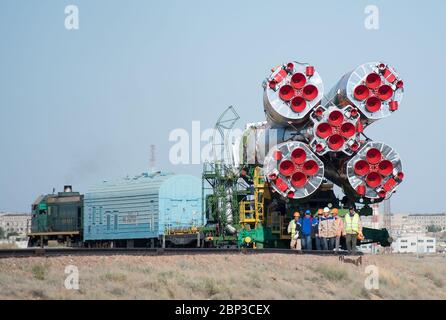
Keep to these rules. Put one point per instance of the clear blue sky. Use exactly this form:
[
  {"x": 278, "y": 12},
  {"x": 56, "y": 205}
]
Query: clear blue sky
[{"x": 77, "y": 107}]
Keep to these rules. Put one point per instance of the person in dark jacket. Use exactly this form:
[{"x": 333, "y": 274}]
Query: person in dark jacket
[
  {"x": 315, "y": 230},
  {"x": 306, "y": 225}
]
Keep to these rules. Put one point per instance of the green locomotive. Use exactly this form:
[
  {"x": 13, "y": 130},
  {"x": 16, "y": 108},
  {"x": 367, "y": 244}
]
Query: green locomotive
[{"x": 57, "y": 218}]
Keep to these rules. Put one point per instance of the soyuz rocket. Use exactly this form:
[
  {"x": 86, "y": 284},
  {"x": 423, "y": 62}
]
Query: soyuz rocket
[{"x": 310, "y": 136}]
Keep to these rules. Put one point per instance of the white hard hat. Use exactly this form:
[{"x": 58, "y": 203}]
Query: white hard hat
[{"x": 326, "y": 210}]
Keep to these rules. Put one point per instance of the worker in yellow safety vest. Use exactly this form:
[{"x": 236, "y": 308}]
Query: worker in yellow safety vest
[
  {"x": 294, "y": 228},
  {"x": 352, "y": 229}
]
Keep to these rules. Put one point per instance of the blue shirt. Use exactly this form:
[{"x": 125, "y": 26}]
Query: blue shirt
[{"x": 306, "y": 225}]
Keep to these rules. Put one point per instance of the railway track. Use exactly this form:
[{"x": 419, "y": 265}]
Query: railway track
[{"x": 54, "y": 252}]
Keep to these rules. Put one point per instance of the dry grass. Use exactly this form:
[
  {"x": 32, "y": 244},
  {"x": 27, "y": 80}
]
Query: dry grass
[
  {"x": 39, "y": 270},
  {"x": 8, "y": 246},
  {"x": 222, "y": 277}
]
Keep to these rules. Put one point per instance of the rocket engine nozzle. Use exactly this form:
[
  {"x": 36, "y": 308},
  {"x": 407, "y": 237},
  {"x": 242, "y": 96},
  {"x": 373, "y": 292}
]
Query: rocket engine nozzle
[
  {"x": 287, "y": 168},
  {"x": 291, "y": 92},
  {"x": 373, "y": 80},
  {"x": 286, "y": 92},
  {"x": 298, "y": 155},
  {"x": 310, "y": 92},
  {"x": 298, "y": 180},
  {"x": 324, "y": 130},
  {"x": 335, "y": 142},
  {"x": 336, "y": 118},
  {"x": 297, "y": 174},
  {"x": 361, "y": 92},
  {"x": 374, "y": 88},
  {"x": 298, "y": 80},
  {"x": 335, "y": 128},
  {"x": 298, "y": 104},
  {"x": 374, "y": 172}
]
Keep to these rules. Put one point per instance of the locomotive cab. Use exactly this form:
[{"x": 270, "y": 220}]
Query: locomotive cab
[{"x": 57, "y": 219}]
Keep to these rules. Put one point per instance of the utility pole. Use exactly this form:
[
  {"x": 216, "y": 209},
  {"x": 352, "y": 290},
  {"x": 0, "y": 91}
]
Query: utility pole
[
  {"x": 387, "y": 215},
  {"x": 418, "y": 257},
  {"x": 152, "y": 160},
  {"x": 375, "y": 224},
  {"x": 387, "y": 218}
]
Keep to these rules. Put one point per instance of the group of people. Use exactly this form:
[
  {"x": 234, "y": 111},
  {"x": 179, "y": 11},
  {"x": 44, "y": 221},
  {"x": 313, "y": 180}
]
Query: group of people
[{"x": 325, "y": 229}]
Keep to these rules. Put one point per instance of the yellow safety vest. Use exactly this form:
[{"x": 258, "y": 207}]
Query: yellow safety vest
[
  {"x": 292, "y": 228},
  {"x": 352, "y": 225}
]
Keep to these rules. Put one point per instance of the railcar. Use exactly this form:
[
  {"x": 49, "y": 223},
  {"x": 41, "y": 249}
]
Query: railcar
[{"x": 149, "y": 210}]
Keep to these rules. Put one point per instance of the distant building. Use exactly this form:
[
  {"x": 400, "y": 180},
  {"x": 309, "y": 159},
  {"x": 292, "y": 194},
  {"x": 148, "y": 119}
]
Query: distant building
[
  {"x": 18, "y": 223},
  {"x": 414, "y": 244},
  {"x": 371, "y": 248},
  {"x": 426, "y": 220},
  {"x": 406, "y": 224},
  {"x": 374, "y": 222},
  {"x": 404, "y": 229}
]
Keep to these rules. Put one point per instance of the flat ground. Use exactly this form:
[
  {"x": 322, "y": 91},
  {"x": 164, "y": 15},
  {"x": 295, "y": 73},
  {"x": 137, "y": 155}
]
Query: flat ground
[{"x": 237, "y": 276}]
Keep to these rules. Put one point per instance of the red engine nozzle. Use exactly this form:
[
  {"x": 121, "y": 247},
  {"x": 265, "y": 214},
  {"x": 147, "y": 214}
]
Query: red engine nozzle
[
  {"x": 298, "y": 156},
  {"x": 319, "y": 147},
  {"x": 360, "y": 189},
  {"x": 298, "y": 104},
  {"x": 393, "y": 105},
  {"x": 286, "y": 168},
  {"x": 385, "y": 167},
  {"x": 281, "y": 184},
  {"x": 272, "y": 176},
  {"x": 324, "y": 130},
  {"x": 361, "y": 92},
  {"x": 298, "y": 80},
  {"x": 309, "y": 70},
  {"x": 335, "y": 142},
  {"x": 310, "y": 167},
  {"x": 362, "y": 168},
  {"x": 373, "y": 179},
  {"x": 385, "y": 92},
  {"x": 277, "y": 155},
  {"x": 373, "y": 80},
  {"x": 310, "y": 92},
  {"x": 286, "y": 92},
  {"x": 335, "y": 118},
  {"x": 298, "y": 180},
  {"x": 354, "y": 146},
  {"x": 348, "y": 130},
  {"x": 373, "y": 104},
  {"x": 373, "y": 156},
  {"x": 319, "y": 112}
]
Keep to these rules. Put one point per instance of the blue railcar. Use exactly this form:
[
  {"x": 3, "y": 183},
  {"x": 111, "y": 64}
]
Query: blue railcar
[{"x": 145, "y": 210}]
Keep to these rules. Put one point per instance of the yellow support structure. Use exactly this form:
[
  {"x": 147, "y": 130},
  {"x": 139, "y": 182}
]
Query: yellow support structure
[
  {"x": 259, "y": 196},
  {"x": 252, "y": 212},
  {"x": 247, "y": 213}
]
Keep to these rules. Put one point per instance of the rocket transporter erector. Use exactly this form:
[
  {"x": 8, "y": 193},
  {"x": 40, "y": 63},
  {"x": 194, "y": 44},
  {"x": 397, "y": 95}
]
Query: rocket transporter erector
[{"x": 309, "y": 135}]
